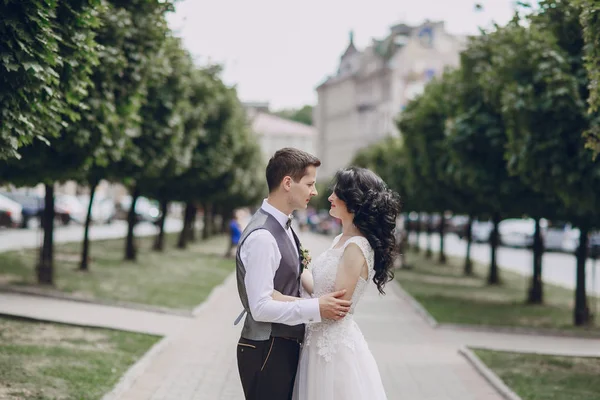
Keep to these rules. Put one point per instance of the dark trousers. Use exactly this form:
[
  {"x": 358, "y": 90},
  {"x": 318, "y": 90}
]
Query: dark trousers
[{"x": 268, "y": 368}]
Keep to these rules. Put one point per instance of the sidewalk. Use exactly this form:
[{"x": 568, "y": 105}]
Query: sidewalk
[
  {"x": 89, "y": 314},
  {"x": 551, "y": 345},
  {"x": 416, "y": 361}
]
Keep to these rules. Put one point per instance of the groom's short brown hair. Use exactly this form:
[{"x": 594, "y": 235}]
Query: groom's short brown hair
[{"x": 288, "y": 162}]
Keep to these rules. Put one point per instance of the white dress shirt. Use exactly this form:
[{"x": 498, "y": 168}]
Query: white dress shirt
[{"x": 261, "y": 257}]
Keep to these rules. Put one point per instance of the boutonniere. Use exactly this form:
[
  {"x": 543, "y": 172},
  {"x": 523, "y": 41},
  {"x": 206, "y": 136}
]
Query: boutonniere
[{"x": 305, "y": 257}]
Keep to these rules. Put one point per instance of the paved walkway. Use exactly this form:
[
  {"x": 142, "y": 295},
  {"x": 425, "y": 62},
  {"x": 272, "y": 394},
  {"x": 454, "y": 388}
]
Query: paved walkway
[
  {"x": 88, "y": 314},
  {"x": 416, "y": 361}
]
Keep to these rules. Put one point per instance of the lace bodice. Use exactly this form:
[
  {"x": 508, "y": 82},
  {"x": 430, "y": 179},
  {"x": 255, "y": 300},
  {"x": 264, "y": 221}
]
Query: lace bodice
[
  {"x": 324, "y": 268},
  {"x": 329, "y": 333}
]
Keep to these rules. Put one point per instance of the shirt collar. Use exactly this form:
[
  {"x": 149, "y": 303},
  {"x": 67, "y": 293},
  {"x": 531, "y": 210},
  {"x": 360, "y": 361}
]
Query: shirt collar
[{"x": 279, "y": 216}]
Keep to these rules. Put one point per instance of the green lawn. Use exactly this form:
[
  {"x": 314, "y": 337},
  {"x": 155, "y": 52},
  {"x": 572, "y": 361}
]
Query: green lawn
[
  {"x": 175, "y": 279},
  {"x": 540, "y": 377},
  {"x": 43, "y": 361},
  {"x": 450, "y": 297}
]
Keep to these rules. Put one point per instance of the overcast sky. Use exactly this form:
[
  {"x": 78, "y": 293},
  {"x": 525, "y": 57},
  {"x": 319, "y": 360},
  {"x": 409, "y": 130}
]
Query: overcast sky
[{"x": 279, "y": 51}]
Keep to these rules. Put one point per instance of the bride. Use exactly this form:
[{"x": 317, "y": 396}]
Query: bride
[{"x": 335, "y": 362}]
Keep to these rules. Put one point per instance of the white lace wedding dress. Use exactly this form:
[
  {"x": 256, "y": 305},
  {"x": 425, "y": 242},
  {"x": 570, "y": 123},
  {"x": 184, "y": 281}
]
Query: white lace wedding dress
[{"x": 335, "y": 361}]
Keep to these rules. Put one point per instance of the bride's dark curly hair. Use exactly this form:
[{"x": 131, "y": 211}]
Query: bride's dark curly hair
[{"x": 375, "y": 209}]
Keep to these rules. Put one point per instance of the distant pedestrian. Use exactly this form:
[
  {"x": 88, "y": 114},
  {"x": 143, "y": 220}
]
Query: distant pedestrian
[{"x": 235, "y": 231}]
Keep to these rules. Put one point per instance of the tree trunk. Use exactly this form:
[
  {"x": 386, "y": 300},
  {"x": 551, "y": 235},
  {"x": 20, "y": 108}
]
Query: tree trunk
[
  {"x": 130, "y": 249},
  {"x": 536, "y": 295},
  {"x": 184, "y": 235},
  {"x": 192, "y": 234},
  {"x": 208, "y": 220},
  {"x": 428, "y": 251},
  {"x": 407, "y": 230},
  {"x": 442, "y": 232},
  {"x": 494, "y": 277},
  {"x": 159, "y": 242},
  {"x": 469, "y": 236},
  {"x": 418, "y": 233},
  {"x": 85, "y": 252},
  {"x": 227, "y": 215},
  {"x": 45, "y": 267},
  {"x": 582, "y": 311},
  {"x": 402, "y": 245},
  {"x": 215, "y": 220}
]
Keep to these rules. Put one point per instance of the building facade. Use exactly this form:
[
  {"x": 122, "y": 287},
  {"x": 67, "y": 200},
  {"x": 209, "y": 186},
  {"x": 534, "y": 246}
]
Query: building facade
[
  {"x": 274, "y": 132},
  {"x": 359, "y": 105}
]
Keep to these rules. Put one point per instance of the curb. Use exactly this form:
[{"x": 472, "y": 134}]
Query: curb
[
  {"x": 113, "y": 303},
  {"x": 520, "y": 331},
  {"x": 137, "y": 369},
  {"x": 414, "y": 304},
  {"x": 493, "y": 379}
]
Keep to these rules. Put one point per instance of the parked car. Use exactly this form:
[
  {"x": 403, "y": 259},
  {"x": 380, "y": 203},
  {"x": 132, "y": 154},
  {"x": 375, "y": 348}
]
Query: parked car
[
  {"x": 594, "y": 247},
  {"x": 145, "y": 209},
  {"x": 517, "y": 232},
  {"x": 11, "y": 213},
  {"x": 556, "y": 235},
  {"x": 572, "y": 242},
  {"x": 458, "y": 224},
  {"x": 32, "y": 206},
  {"x": 482, "y": 231},
  {"x": 70, "y": 207},
  {"x": 103, "y": 208}
]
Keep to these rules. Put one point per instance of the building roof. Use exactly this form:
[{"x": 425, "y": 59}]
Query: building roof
[
  {"x": 384, "y": 48},
  {"x": 351, "y": 49},
  {"x": 272, "y": 125}
]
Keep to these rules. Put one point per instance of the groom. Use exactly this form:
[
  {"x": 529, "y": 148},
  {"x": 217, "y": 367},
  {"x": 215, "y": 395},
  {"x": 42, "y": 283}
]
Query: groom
[{"x": 267, "y": 259}]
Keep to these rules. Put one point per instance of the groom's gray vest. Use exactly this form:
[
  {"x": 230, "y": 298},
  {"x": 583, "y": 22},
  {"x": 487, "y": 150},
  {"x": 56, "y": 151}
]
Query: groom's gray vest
[{"x": 286, "y": 280}]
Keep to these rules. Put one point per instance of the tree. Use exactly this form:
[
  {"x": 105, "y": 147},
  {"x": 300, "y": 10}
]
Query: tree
[
  {"x": 388, "y": 159},
  {"x": 545, "y": 105},
  {"x": 476, "y": 144},
  {"x": 303, "y": 115},
  {"x": 113, "y": 98},
  {"x": 517, "y": 81},
  {"x": 423, "y": 127},
  {"x": 590, "y": 20},
  {"x": 30, "y": 66},
  {"x": 197, "y": 109},
  {"x": 163, "y": 146},
  {"x": 213, "y": 158},
  {"x": 62, "y": 155}
]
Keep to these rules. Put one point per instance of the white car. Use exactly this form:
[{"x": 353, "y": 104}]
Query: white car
[
  {"x": 11, "y": 212},
  {"x": 103, "y": 208},
  {"x": 481, "y": 231},
  {"x": 515, "y": 232}
]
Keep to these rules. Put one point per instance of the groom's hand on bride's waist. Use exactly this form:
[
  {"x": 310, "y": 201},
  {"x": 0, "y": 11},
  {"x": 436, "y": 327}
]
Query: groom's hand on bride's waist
[{"x": 333, "y": 307}]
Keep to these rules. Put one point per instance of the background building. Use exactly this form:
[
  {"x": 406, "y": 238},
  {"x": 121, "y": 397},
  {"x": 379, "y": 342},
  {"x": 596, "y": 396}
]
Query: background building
[
  {"x": 274, "y": 132},
  {"x": 359, "y": 104}
]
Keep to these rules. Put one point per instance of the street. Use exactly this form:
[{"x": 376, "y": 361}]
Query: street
[
  {"x": 557, "y": 268},
  {"x": 11, "y": 239}
]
